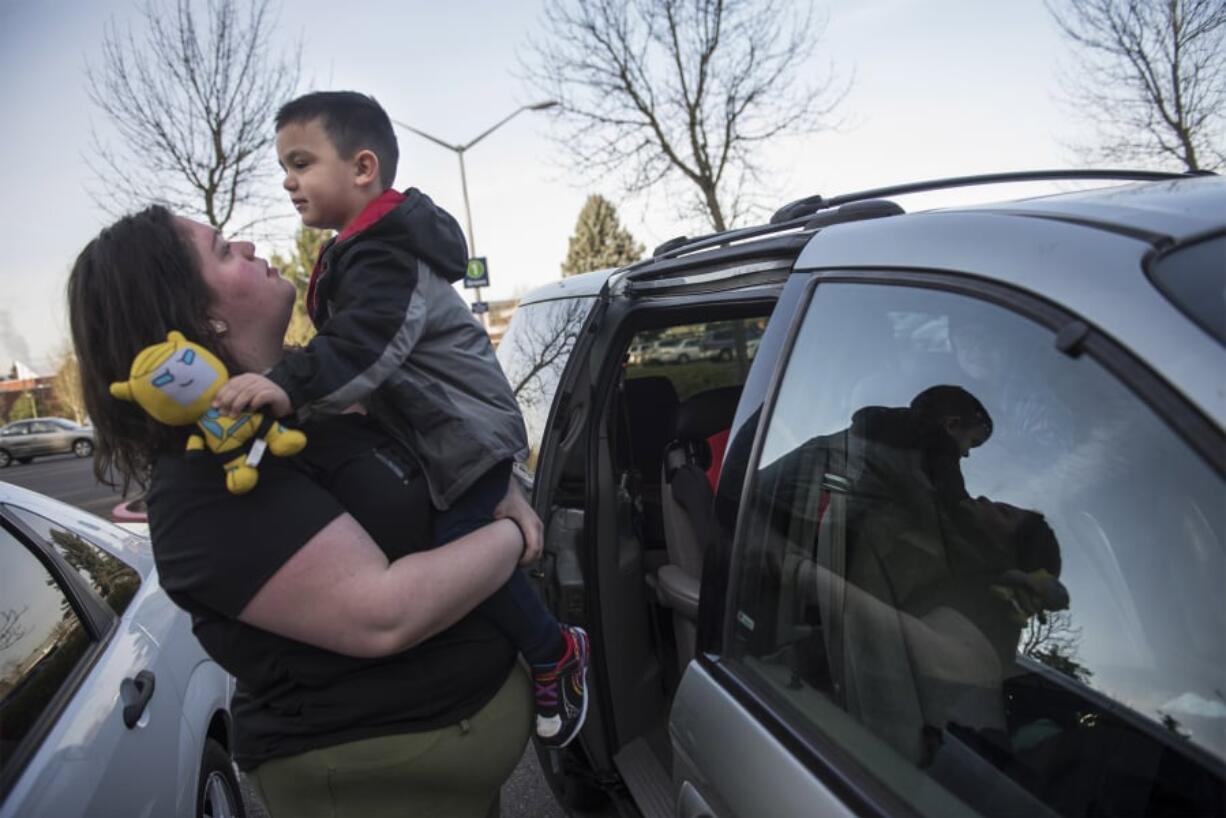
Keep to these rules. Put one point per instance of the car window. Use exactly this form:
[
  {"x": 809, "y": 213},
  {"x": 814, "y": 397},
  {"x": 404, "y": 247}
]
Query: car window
[
  {"x": 975, "y": 562},
  {"x": 533, "y": 354},
  {"x": 1194, "y": 279},
  {"x": 41, "y": 642},
  {"x": 114, "y": 581},
  {"x": 15, "y": 429}
]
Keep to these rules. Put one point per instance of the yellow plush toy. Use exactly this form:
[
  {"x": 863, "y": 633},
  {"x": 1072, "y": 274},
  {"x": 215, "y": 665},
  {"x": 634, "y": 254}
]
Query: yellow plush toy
[{"x": 175, "y": 382}]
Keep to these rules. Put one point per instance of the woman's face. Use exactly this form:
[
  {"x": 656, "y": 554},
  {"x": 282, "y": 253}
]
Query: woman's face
[{"x": 247, "y": 294}]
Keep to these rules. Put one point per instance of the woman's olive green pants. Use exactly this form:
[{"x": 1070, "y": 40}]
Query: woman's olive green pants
[{"x": 452, "y": 772}]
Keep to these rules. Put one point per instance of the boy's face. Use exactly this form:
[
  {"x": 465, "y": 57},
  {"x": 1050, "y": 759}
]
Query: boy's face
[
  {"x": 322, "y": 186},
  {"x": 966, "y": 435}
]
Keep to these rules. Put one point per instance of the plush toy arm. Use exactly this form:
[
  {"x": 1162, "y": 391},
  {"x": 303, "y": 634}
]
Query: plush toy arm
[{"x": 195, "y": 443}]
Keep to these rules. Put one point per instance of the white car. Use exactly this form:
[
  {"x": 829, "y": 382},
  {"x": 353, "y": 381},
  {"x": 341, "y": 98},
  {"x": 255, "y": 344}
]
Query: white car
[
  {"x": 108, "y": 704},
  {"x": 678, "y": 351}
]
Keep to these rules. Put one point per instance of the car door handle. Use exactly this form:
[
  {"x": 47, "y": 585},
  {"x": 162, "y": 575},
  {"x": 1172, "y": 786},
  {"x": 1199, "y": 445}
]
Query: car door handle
[{"x": 136, "y": 693}]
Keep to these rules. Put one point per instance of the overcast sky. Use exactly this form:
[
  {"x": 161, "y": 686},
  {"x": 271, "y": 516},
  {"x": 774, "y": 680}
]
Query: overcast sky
[{"x": 942, "y": 87}]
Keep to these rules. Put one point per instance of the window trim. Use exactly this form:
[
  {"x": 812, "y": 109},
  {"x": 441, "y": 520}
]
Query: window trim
[
  {"x": 79, "y": 597},
  {"x": 1157, "y": 255},
  {"x": 818, "y": 753}
]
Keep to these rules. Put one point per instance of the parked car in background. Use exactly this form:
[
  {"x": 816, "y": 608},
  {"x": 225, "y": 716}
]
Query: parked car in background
[
  {"x": 791, "y": 616},
  {"x": 108, "y": 704},
  {"x": 24, "y": 440},
  {"x": 676, "y": 351}
]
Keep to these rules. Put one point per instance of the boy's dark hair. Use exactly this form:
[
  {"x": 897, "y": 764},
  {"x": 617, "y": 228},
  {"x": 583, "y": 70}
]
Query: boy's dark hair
[
  {"x": 139, "y": 279},
  {"x": 937, "y": 402},
  {"x": 352, "y": 121}
]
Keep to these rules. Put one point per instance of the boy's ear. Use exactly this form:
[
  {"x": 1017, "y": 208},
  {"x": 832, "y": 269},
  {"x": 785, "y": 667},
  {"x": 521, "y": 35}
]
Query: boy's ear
[{"x": 366, "y": 167}]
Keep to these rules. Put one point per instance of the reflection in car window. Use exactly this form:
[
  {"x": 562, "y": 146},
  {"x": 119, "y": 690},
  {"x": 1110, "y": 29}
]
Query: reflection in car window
[
  {"x": 1011, "y": 582},
  {"x": 533, "y": 354},
  {"x": 41, "y": 642},
  {"x": 115, "y": 582}
]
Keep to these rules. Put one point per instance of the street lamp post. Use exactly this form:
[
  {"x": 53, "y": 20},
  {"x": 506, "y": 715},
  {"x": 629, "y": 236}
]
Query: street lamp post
[{"x": 459, "y": 151}]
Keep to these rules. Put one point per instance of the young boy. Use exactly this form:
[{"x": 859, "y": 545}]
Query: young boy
[{"x": 395, "y": 337}]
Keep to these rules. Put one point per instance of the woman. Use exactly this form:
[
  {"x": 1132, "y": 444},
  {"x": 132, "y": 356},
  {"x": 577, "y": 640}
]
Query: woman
[{"x": 364, "y": 687}]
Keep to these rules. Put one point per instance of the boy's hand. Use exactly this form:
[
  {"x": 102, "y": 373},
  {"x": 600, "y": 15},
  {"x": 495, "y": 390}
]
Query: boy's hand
[
  {"x": 248, "y": 392},
  {"x": 516, "y": 506}
]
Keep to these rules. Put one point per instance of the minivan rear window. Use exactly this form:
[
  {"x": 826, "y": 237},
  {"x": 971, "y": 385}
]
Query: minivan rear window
[{"x": 1194, "y": 279}]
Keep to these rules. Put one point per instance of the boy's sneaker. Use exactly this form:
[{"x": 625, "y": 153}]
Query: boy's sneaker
[{"x": 561, "y": 691}]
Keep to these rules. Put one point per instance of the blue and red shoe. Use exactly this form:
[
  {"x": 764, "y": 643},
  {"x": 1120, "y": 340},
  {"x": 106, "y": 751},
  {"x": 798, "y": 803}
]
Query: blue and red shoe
[{"x": 561, "y": 691}]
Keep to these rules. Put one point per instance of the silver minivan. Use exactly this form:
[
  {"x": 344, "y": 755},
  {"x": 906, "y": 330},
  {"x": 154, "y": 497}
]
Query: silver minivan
[{"x": 950, "y": 542}]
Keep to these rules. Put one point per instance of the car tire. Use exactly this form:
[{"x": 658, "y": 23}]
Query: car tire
[
  {"x": 683, "y": 359},
  {"x": 218, "y": 794},
  {"x": 571, "y": 789},
  {"x": 5, "y": 459},
  {"x": 24, "y": 460},
  {"x": 83, "y": 447},
  {"x": 725, "y": 355}
]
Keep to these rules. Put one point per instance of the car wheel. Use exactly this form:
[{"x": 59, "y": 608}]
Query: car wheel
[
  {"x": 5, "y": 459},
  {"x": 24, "y": 460},
  {"x": 83, "y": 448},
  {"x": 725, "y": 355},
  {"x": 218, "y": 795},
  {"x": 683, "y": 359}
]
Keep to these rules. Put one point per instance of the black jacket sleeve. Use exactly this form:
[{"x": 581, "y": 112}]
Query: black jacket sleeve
[{"x": 378, "y": 315}]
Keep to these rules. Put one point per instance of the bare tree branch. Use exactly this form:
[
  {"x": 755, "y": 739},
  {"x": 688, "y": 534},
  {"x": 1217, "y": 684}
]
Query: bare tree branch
[
  {"x": 192, "y": 104},
  {"x": 681, "y": 91},
  {"x": 1150, "y": 77}
]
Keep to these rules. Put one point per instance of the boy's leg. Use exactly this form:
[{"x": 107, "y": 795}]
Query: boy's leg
[
  {"x": 514, "y": 608},
  {"x": 557, "y": 653}
]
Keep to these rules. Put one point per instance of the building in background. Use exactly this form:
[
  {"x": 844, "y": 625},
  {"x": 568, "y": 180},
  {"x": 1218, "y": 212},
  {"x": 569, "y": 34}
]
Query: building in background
[{"x": 20, "y": 382}]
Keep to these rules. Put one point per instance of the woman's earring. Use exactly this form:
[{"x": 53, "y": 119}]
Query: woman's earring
[{"x": 219, "y": 327}]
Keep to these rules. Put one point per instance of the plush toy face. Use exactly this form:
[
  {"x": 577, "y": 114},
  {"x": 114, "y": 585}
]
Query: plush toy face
[{"x": 173, "y": 381}]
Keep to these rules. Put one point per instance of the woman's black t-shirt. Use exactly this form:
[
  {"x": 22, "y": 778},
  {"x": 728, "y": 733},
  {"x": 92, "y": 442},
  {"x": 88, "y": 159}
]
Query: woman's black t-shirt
[{"x": 215, "y": 550}]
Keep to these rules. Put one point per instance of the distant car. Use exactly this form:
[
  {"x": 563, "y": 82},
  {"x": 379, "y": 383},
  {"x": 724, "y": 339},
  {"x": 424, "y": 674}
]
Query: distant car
[
  {"x": 677, "y": 351},
  {"x": 24, "y": 440},
  {"x": 720, "y": 343},
  {"x": 639, "y": 353},
  {"x": 108, "y": 704}
]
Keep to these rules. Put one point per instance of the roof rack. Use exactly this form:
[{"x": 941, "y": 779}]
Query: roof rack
[
  {"x": 868, "y": 204},
  {"x": 811, "y": 204}
]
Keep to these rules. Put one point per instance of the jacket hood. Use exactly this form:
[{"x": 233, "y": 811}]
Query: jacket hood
[{"x": 434, "y": 235}]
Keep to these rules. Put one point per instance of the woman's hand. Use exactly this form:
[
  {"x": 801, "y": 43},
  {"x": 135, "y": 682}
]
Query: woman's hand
[{"x": 515, "y": 506}]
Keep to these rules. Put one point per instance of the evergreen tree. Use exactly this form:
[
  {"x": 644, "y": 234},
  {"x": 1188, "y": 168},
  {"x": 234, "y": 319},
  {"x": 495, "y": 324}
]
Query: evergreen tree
[
  {"x": 599, "y": 240},
  {"x": 297, "y": 268}
]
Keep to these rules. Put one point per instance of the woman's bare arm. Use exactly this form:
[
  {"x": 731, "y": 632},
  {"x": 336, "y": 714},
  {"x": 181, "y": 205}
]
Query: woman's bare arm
[{"x": 340, "y": 593}]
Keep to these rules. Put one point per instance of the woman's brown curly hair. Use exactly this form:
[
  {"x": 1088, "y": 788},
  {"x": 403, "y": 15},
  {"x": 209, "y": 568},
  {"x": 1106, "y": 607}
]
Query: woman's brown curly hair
[{"x": 139, "y": 279}]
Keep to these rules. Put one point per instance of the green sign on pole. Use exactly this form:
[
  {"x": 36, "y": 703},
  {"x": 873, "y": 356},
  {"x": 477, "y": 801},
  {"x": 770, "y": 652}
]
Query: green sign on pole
[{"x": 477, "y": 274}]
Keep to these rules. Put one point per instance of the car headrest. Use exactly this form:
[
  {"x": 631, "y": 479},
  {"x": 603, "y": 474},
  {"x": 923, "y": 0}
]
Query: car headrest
[
  {"x": 651, "y": 409},
  {"x": 705, "y": 413}
]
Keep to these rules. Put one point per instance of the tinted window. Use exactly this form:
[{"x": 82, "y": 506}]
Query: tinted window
[
  {"x": 533, "y": 354},
  {"x": 114, "y": 581},
  {"x": 41, "y": 642},
  {"x": 1194, "y": 278},
  {"x": 1009, "y": 586}
]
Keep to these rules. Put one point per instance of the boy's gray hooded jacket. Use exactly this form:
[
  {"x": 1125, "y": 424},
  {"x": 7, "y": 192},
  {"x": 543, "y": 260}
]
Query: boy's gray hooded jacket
[{"x": 394, "y": 335}]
